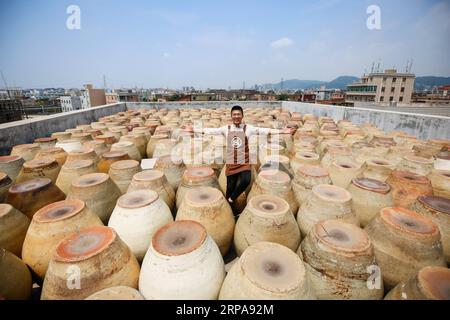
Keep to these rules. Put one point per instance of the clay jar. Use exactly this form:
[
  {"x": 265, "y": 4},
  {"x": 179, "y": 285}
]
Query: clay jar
[
  {"x": 378, "y": 169},
  {"x": 430, "y": 283},
  {"x": 99, "y": 147},
  {"x": 152, "y": 143},
  {"x": 116, "y": 293},
  {"x": 183, "y": 262},
  {"x": 45, "y": 143},
  {"x": 61, "y": 136},
  {"x": 50, "y": 225},
  {"x": 11, "y": 165},
  {"x": 98, "y": 191},
  {"x": 139, "y": 140},
  {"x": 108, "y": 158},
  {"x": 440, "y": 181},
  {"x": 436, "y": 209},
  {"x": 108, "y": 138},
  {"x": 72, "y": 170},
  {"x": 306, "y": 178},
  {"x": 337, "y": 257},
  {"x": 84, "y": 251},
  {"x": 418, "y": 165},
  {"x": 85, "y": 154},
  {"x": 16, "y": 281},
  {"x": 343, "y": 171},
  {"x": 407, "y": 186},
  {"x": 26, "y": 151},
  {"x": 5, "y": 184},
  {"x": 128, "y": 147},
  {"x": 137, "y": 216},
  {"x": 31, "y": 195},
  {"x": 267, "y": 271},
  {"x": 154, "y": 180},
  {"x": 326, "y": 202},
  {"x": 266, "y": 218},
  {"x": 70, "y": 145},
  {"x": 304, "y": 158},
  {"x": 13, "y": 228},
  {"x": 40, "y": 168},
  {"x": 277, "y": 183},
  {"x": 208, "y": 206},
  {"x": 173, "y": 169},
  {"x": 369, "y": 196},
  {"x": 57, "y": 153},
  {"x": 121, "y": 172},
  {"x": 404, "y": 242},
  {"x": 164, "y": 147},
  {"x": 195, "y": 177}
]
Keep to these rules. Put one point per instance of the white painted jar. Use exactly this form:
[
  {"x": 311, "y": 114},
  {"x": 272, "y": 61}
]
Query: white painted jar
[
  {"x": 70, "y": 145},
  {"x": 442, "y": 163},
  {"x": 267, "y": 271},
  {"x": 182, "y": 262},
  {"x": 137, "y": 216},
  {"x": 266, "y": 218}
]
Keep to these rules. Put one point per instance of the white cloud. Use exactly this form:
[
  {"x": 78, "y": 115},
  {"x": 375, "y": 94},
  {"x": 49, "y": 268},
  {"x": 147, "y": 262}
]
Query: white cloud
[{"x": 283, "y": 42}]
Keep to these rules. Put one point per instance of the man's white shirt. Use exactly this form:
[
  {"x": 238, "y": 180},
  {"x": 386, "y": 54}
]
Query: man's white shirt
[{"x": 251, "y": 130}]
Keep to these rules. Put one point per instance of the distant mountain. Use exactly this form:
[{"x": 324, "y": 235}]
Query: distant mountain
[
  {"x": 341, "y": 82},
  {"x": 429, "y": 82},
  {"x": 294, "y": 84}
]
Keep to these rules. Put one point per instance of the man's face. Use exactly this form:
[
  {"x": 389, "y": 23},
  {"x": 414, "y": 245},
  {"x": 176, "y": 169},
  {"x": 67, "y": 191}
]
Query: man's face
[{"x": 236, "y": 116}]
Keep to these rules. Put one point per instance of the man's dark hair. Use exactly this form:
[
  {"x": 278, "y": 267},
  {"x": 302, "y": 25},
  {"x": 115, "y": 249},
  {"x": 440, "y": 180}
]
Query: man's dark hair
[{"x": 237, "y": 108}]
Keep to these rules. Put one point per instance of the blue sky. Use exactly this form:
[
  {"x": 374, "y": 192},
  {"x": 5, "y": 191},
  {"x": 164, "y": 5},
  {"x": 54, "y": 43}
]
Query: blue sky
[{"x": 212, "y": 44}]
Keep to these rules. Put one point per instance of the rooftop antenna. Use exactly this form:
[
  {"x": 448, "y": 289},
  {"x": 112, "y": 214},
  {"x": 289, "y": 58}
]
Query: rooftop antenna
[
  {"x": 410, "y": 65},
  {"x": 373, "y": 66},
  {"x": 104, "y": 81},
  {"x": 407, "y": 64},
  {"x": 6, "y": 85},
  {"x": 378, "y": 67}
]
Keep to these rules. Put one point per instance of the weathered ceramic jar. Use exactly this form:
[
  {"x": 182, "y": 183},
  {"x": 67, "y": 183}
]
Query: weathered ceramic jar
[
  {"x": 195, "y": 177},
  {"x": 122, "y": 172},
  {"x": 72, "y": 170},
  {"x": 369, "y": 196},
  {"x": 415, "y": 164},
  {"x": 173, "y": 169},
  {"x": 152, "y": 143},
  {"x": 440, "y": 181},
  {"x": 31, "y": 195},
  {"x": 368, "y": 152},
  {"x": 338, "y": 257},
  {"x": 26, "y": 151},
  {"x": 39, "y": 168},
  {"x": 57, "y": 153},
  {"x": 50, "y": 225},
  {"x": 5, "y": 183},
  {"x": 430, "y": 283},
  {"x": 427, "y": 149},
  {"x": 267, "y": 271},
  {"x": 333, "y": 154},
  {"x": 108, "y": 158},
  {"x": 302, "y": 158},
  {"x": 70, "y": 145},
  {"x": 45, "y": 143},
  {"x": 137, "y": 216},
  {"x": 85, "y": 154},
  {"x": 116, "y": 293},
  {"x": 98, "y": 191},
  {"x": 13, "y": 228},
  {"x": 99, "y": 147},
  {"x": 82, "y": 253},
  {"x": 108, "y": 138},
  {"x": 16, "y": 279},
  {"x": 378, "y": 169},
  {"x": 164, "y": 147},
  {"x": 208, "y": 206},
  {"x": 11, "y": 165},
  {"x": 182, "y": 262},
  {"x": 266, "y": 218},
  {"x": 407, "y": 186},
  {"x": 343, "y": 171},
  {"x": 326, "y": 202},
  {"x": 61, "y": 136},
  {"x": 436, "y": 209},
  {"x": 128, "y": 147},
  {"x": 81, "y": 137},
  {"x": 306, "y": 178},
  {"x": 404, "y": 242},
  {"x": 277, "y": 183},
  {"x": 442, "y": 162},
  {"x": 139, "y": 140},
  {"x": 154, "y": 180}
]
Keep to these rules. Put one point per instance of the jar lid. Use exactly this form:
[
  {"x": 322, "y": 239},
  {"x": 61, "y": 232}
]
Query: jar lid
[{"x": 371, "y": 185}]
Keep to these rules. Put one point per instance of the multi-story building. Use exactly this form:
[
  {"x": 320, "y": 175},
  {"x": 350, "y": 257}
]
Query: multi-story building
[
  {"x": 92, "y": 97},
  {"x": 70, "y": 103},
  {"x": 11, "y": 93},
  {"x": 386, "y": 88},
  {"x": 111, "y": 97},
  {"x": 128, "y": 95}
]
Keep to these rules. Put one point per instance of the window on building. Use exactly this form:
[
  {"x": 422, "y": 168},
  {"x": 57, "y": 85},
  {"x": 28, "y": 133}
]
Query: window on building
[
  {"x": 384, "y": 79},
  {"x": 392, "y": 89},
  {"x": 404, "y": 79},
  {"x": 394, "y": 79},
  {"x": 383, "y": 89},
  {"x": 391, "y": 99},
  {"x": 400, "y": 99},
  {"x": 381, "y": 99},
  {"x": 402, "y": 89}
]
